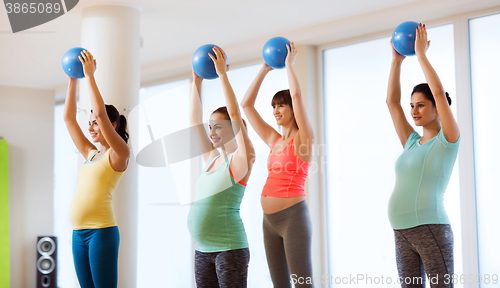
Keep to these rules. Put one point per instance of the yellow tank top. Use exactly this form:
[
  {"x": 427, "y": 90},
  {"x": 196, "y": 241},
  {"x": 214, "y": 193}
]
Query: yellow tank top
[{"x": 91, "y": 206}]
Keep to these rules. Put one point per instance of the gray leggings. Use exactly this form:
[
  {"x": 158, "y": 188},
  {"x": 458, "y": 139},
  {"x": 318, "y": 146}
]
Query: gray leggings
[
  {"x": 287, "y": 239},
  {"x": 221, "y": 269},
  {"x": 425, "y": 249}
]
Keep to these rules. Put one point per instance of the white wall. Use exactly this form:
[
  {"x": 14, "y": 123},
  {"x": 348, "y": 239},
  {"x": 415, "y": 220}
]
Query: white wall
[{"x": 26, "y": 122}]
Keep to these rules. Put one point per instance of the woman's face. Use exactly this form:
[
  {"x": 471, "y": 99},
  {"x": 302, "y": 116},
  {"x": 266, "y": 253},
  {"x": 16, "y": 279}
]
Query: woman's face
[
  {"x": 283, "y": 113},
  {"x": 221, "y": 130},
  {"x": 422, "y": 109},
  {"x": 95, "y": 132}
]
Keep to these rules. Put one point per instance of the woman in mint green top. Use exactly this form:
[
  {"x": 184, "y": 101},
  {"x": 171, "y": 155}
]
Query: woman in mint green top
[
  {"x": 422, "y": 174},
  {"x": 423, "y": 235},
  {"x": 222, "y": 254},
  {"x": 214, "y": 221}
]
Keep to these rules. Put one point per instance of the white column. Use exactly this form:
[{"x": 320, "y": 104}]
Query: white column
[
  {"x": 466, "y": 160},
  {"x": 306, "y": 70},
  {"x": 111, "y": 34}
]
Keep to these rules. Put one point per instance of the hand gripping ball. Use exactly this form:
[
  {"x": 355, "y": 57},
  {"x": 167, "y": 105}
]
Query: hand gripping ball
[
  {"x": 274, "y": 52},
  {"x": 71, "y": 64},
  {"x": 403, "y": 38},
  {"x": 203, "y": 65}
]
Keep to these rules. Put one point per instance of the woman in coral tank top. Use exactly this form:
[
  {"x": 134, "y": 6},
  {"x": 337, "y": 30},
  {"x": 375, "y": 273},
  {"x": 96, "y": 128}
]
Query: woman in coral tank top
[{"x": 287, "y": 224}]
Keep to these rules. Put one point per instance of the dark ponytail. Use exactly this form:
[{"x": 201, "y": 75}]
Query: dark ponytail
[
  {"x": 121, "y": 121},
  {"x": 121, "y": 128},
  {"x": 448, "y": 98}
]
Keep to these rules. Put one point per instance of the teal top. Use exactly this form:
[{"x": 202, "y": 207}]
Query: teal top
[
  {"x": 422, "y": 174},
  {"x": 90, "y": 161},
  {"x": 214, "y": 218}
]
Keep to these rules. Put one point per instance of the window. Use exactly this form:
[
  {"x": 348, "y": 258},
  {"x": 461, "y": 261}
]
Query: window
[
  {"x": 164, "y": 251},
  {"x": 485, "y": 60}
]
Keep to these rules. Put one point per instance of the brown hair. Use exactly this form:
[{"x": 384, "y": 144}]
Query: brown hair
[
  {"x": 283, "y": 97},
  {"x": 223, "y": 110}
]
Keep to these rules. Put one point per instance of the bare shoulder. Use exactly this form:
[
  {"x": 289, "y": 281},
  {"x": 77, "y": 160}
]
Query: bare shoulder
[
  {"x": 118, "y": 161},
  {"x": 303, "y": 147}
]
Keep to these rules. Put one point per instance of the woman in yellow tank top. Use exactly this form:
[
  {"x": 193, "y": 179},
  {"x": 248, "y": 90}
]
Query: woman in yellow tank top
[{"x": 95, "y": 233}]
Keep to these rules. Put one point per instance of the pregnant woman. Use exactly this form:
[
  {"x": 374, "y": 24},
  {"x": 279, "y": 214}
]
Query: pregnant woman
[
  {"x": 287, "y": 223},
  {"x": 222, "y": 254},
  {"x": 423, "y": 235},
  {"x": 95, "y": 232}
]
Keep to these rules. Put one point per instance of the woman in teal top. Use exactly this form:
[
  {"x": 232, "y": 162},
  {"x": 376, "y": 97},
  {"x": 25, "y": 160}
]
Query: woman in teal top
[
  {"x": 423, "y": 235},
  {"x": 222, "y": 254}
]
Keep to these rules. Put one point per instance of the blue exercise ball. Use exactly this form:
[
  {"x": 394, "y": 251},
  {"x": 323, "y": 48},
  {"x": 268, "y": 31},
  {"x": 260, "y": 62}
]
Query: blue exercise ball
[
  {"x": 274, "y": 52},
  {"x": 403, "y": 38},
  {"x": 203, "y": 65},
  {"x": 71, "y": 64}
]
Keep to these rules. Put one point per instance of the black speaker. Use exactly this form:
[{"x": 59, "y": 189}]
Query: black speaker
[{"x": 46, "y": 263}]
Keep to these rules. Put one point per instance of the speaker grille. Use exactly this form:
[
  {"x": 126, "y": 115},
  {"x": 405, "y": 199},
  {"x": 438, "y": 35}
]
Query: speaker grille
[
  {"x": 45, "y": 264},
  {"x": 46, "y": 246}
]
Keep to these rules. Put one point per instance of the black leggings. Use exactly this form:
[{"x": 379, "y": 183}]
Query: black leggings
[
  {"x": 425, "y": 249},
  {"x": 221, "y": 269},
  {"x": 287, "y": 239}
]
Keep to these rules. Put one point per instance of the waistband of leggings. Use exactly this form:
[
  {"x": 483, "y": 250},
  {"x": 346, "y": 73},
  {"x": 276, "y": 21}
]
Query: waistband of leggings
[
  {"x": 422, "y": 226},
  {"x": 287, "y": 213},
  {"x": 95, "y": 229}
]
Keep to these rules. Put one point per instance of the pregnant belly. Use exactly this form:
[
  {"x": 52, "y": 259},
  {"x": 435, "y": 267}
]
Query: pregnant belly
[
  {"x": 272, "y": 204},
  {"x": 90, "y": 212}
]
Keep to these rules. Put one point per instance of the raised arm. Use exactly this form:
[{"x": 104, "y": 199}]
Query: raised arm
[
  {"x": 403, "y": 128},
  {"x": 264, "y": 130},
  {"x": 245, "y": 151},
  {"x": 120, "y": 152},
  {"x": 206, "y": 147},
  {"x": 81, "y": 142},
  {"x": 448, "y": 122},
  {"x": 306, "y": 131}
]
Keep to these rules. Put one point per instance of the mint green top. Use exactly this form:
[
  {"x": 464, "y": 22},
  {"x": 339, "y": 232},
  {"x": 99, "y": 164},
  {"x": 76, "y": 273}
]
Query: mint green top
[
  {"x": 422, "y": 174},
  {"x": 214, "y": 220}
]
